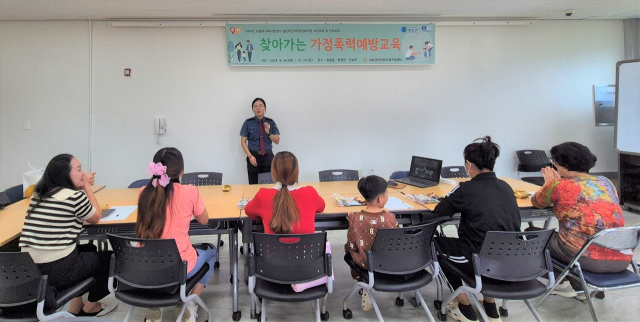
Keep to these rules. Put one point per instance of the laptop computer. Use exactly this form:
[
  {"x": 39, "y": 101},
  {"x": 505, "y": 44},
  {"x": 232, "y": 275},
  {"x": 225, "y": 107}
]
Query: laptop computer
[{"x": 424, "y": 172}]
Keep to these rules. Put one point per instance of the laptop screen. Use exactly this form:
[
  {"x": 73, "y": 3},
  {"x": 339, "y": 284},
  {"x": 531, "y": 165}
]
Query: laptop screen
[{"x": 424, "y": 168}]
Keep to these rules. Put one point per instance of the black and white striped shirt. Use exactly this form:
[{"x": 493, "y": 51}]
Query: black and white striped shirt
[{"x": 50, "y": 231}]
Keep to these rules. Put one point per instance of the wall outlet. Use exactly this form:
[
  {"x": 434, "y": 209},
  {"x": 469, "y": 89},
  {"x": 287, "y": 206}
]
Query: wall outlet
[
  {"x": 26, "y": 125},
  {"x": 372, "y": 171}
]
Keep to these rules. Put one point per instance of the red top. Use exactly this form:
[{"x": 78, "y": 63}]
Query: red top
[{"x": 307, "y": 200}]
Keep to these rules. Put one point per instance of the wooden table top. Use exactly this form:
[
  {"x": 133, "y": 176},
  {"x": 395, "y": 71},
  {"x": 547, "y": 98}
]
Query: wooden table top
[
  {"x": 219, "y": 204},
  {"x": 350, "y": 189},
  {"x": 12, "y": 218}
]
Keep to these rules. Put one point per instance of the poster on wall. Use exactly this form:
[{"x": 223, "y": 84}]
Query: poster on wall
[{"x": 330, "y": 44}]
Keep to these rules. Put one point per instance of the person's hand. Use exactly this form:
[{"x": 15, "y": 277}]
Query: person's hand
[
  {"x": 253, "y": 161},
  {"x": 89, "y": 180},
  {"x": 549, "y": 174},
  {"x": 267, "y": 127}
]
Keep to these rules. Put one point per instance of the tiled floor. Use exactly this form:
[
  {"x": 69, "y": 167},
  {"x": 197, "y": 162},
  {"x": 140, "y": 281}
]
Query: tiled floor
[{"x": 622, "y": 305}]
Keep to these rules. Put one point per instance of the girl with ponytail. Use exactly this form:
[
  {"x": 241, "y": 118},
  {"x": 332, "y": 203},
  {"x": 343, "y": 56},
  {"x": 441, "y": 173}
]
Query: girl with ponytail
[
  {"x": 485, "y": 203},
  {"x": 165, "y": 209},
  {"x": 286, "y": 208}
]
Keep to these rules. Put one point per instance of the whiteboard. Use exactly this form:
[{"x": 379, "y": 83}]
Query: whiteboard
[{"x": 627, "y": 133}]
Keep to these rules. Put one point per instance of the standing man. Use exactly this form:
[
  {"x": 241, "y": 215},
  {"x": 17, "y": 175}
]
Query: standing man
[
  {"x": 249, "y": 50},
  {"x": 256, "y": 136}
]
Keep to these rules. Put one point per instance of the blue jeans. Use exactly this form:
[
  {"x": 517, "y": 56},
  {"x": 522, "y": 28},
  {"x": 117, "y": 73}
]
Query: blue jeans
[{"x": 204, "y": 256}]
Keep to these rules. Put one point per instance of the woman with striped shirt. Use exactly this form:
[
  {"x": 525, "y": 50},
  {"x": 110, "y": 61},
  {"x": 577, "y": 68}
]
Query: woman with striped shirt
[{"x": 62, "y": 201}]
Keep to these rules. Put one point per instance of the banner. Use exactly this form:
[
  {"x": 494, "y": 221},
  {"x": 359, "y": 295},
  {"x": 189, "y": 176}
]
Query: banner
[{"x": 330, "y": 44}]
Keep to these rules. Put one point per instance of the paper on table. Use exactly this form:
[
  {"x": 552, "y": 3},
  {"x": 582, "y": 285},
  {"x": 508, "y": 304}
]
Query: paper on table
[
  {"x": 396, "y": 204},
  {"x": 117, "y": 213}
]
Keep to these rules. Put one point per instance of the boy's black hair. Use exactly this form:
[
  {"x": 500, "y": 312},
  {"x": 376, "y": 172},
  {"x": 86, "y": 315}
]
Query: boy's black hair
[
  {"x": 573, "y": 156},
  {"x": 371, "y": 187}
]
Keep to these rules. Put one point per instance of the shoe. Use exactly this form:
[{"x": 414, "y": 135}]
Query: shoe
[
  {"x": 453, "y": 311},
  {"x": 191, "y": 313},
  {"x": 153, "y": 315},
  {"x": 491, "y": 310},
  {"x": 580, "y": 296},
  {"x": 366, "y": 301},
  {"x": 565, "y": 290},
  {"x": 106, "y": 308}
]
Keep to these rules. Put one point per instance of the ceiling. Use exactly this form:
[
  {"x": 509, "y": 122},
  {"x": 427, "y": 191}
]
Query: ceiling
[{"x": 317, "y": 10}]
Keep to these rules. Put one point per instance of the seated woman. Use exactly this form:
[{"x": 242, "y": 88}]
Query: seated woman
[
  {"x": 62, "y": 201},
  {"x": 165, "y": 209},
  {"x": 584, "y": 205},
  {"x": 485, "y": 203},
  {"x": 286, "y": 208}
]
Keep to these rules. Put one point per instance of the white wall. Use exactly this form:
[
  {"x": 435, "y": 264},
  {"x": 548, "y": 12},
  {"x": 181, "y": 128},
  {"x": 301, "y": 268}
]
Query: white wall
[
  {"x": 44, "y": 78},
  {"x": 527, "y": 86}
]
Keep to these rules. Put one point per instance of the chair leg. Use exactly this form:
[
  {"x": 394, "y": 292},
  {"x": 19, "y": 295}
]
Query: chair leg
[
  {"x": 258, "y": 304},
  {"x": 424, "y": 305},
  {"x": 532, "y": 309},
  {"x": 475, "y": 302},
  {"x": 204, "y": 307},
  {"x": 126, "y": 318},
  {"x": 317, "y": 311},
  {"x": 263, "y": 316},
  {"x": 355, "y": 289},
  {"x": 324, "y": 304},
  {"x": 586, "y": 293},
  {"x": 375, "y": 305},
  {"x": 564, "y": 274},
  {"x": 182, "y": 309},
  {"x": 504, "y": 304}
]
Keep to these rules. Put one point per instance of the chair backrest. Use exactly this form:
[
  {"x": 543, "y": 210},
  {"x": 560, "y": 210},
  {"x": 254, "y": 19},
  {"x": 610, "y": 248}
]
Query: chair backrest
[
  {"x": 620, "y": 238},
  {"x": 202, "y": 178},
  {"x": 264, "y": 178},
  {"x": 15, "y": 194},
  {"x": 454, "y": 172},
  {"x": 514, "y": 256},
  {"x": 399, "y": 175},
  {"x": 139, "y": 183},
  {"x": 338, "y": 175},
  {"x": 532, "y": 160},
  {"x": 19, "y": 279},
  {"x": 289, "y": 259},
  {"x": 146, "y": 263},
  {"x": 403, "y": 250}
]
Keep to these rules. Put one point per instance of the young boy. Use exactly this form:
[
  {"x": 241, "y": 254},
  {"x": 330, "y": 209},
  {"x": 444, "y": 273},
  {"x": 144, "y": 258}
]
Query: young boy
[{"x": 364, "y": 225}]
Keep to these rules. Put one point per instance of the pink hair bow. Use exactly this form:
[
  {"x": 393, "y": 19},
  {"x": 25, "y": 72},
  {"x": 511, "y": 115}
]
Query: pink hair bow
[{"x": 158, "y": 173}]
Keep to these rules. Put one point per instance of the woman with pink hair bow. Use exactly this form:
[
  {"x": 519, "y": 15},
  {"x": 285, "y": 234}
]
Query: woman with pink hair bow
[{"x": 165, "y": 209}]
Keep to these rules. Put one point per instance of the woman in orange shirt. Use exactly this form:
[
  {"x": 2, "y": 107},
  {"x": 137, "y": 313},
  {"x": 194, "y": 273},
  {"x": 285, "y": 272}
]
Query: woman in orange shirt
[{"x": 165, "y": 209}]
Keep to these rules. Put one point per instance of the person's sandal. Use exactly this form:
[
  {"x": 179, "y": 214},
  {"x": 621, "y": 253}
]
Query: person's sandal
[
  {"x": 453, "y": 311},
  {"x": 105, "y": 309},
  {"x": 153, "y": 315},
  {"x": 366, "y": 301}
]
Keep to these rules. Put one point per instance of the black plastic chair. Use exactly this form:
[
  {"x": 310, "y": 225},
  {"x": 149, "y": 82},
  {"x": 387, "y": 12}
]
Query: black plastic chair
[
  {"x": 507, "y": 268},
  {"x": 139, "y": 183},
  {"x": 399, "y": 175},
  {"x": 622, "y": 238},
  {"x": 23, "y": 291},
  {"x": 202, "y": 178},
  {"x": 278, "y": 261},
  {"x": 338, "y": 175},
  {"x": 14, "y": 194},
  {"x": 532, "y": 161},
  {"x": 454, "y": 172},
  {"x": 265, "y": 178},
  {"x": 205, "y": 179},
  {"x": 150, "y": 273},
  {"x": 397, "y": 252}
]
